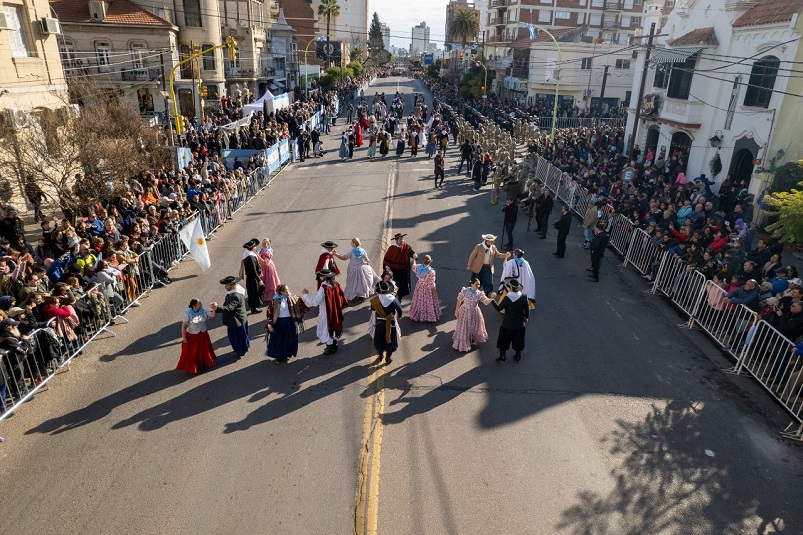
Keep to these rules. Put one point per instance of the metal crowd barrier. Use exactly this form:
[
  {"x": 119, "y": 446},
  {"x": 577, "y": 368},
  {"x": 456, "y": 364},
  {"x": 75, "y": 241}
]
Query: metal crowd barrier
[
  {"x": 26, "y": 369},
  {"x": 620, "y": 232},
  {"x": 642, "y": 252},
  {"x": 680, "y": 282}
]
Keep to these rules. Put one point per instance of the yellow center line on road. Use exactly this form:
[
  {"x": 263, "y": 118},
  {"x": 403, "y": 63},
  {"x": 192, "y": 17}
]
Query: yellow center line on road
[{"x": 366, "y": 511}]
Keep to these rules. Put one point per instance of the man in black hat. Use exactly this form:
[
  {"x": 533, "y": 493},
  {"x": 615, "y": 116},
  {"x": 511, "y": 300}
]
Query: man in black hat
[
  {"x": 397, "y": 258},
  {"x": 514, "y": 322},
  {"x": 385, "y": 312},
  {"x": 235, "y": 316},
  {"x": 330, "y": 301},
  {"x": 326, "y": 260},
  {"x": 563, "y": 225},
  {"x": 252, "y": 271}
]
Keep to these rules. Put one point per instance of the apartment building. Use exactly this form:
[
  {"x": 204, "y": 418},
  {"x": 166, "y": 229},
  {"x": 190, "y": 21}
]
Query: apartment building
[
  {"x": 351, "y": 27},
  {"x": 385, "y": 35},
  {"x": 420, "y": 39},
  {"x": 451, "y": 9}
]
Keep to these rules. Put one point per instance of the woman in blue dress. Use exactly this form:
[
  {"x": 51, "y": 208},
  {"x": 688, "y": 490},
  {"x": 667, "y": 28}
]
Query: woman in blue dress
[
  {"x": 344, "y": 146},
  {"x": 400, "y": 143}
]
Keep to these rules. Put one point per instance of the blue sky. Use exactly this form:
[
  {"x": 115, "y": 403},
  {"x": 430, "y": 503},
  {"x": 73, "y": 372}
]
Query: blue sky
[{"x": 402, "y": 15}]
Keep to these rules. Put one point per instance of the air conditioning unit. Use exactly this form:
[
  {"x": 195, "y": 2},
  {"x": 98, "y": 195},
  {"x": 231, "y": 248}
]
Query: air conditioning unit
[
  {"x": 19, "y": 118},
  {"x": 4, "y": 22},
  {"x": 51, "y": 26}
]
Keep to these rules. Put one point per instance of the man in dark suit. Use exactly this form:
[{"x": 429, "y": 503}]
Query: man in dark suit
[
  {"x": 517, "y": 311},
  {"x": 546, "y": 210},
  {"x": 563, "y": 225},
  {"x": 598, "y": 245},
  {"x": 235, "y": 315}
]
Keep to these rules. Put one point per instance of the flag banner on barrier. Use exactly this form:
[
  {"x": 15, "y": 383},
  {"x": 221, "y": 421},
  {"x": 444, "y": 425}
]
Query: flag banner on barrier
[
  {"x": 284, "y": 150},
  {"x": 272, "y": 159},
  {"x": 193, "y": 237}
]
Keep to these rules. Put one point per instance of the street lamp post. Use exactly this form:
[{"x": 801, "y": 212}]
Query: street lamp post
[
  {"x": 591, "y": 69},
  {"x": 479, "y": 63},
  {"x": 533, "y": 28},
  {"x": 306, "y": 74}
]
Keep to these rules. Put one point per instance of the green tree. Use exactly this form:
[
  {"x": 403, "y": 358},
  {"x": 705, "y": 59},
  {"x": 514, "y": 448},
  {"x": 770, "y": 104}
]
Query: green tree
[
  {"x": 329, "y": 10},
  {"x": 356, "y": 68},
  {"x": 376, "y": 41},
  {"x": 465, "y": 25},
  {"x": 787, "y": 177},
  {"x": 433, "y": 71},
  {"x": 788, "y": 206},
  {"x": 471, "y": 84},
  {"x": 356, "y": 54}
]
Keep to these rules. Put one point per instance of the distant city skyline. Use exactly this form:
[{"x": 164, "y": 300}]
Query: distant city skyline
[{"x": 402, "y": 15}]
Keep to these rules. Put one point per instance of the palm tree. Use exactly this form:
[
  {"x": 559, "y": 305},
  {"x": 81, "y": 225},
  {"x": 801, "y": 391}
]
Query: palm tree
[
  {"x": 465, "y": 25},
  {"x": 331, "y": 11}
]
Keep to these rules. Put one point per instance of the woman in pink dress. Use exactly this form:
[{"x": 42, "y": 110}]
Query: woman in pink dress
[
  {"x": 425, "y": 305},
  {"x": 470, "y": 327},
  {"x": 269, "y": 276}
]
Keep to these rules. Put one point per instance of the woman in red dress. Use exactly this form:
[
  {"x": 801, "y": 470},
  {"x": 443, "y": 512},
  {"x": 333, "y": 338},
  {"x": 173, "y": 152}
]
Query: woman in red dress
[
  {"x": 358, "y": 135},
  {"x": 196, "y": 347}
]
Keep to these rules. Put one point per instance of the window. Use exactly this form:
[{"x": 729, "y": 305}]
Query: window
[
  {"x": 546, "y": 1},
  {"x": 103, "y": 54},
  {"x": 634, "y": 55},
  {"x": 138, "y": 54},
  {"x": 625, "y": 22},
  {"x": 192, "y": 13},
  {"x": 585, "y": 64},
  {"x": 595, "y": 19},
  {"x": 17, "y": 31},
  {"x": 622, "y": 63},
  {"x": 636, "y": 22},
  {"x": 762, "y": 80},
  {"x": 680, "y": 79},
  {"x": 597, "y": 3},
  {"x": 211, "y": 92},
  {"x": 209, "y": 57},
  {"x": 563, "y": 15},
  {"x": 628, "y": 94},
  {"x": 661, "y": 75},
  {"x": 67, "y": 53},
  {"x": 544, "y": 16}
]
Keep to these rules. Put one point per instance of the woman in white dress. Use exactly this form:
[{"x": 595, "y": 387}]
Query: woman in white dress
[{"x": 360, "y": 276}]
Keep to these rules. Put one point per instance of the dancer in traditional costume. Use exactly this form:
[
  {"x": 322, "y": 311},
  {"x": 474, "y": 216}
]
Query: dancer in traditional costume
[
  {"x": 344, "y": 146},
  {"x": 330, "y": 302},
  {"x": 326, "y": 260},
  {"x": 372, "y": 137},
  {"x": 400, "y": 144},
  {"x": 514, "y": 324},
  {"x": 360, "y": 276},
  {"x": 397, "y": 258},
  {"x": 481, "y": 261},
  {"x": 470, "y": 328},
  {"x": 384, "y": 321},
  {"x": 235, "y": 316},
  {"x": 518, "y": 268},
  {"x": 251, "y": 269},
  {"x": 269, "y": 276},
  {"x": 384, "y": 142},
  {"x": 285, "y": 315},
  {"x": 425, "y": 305},
  {"x": 196, "y": 347}
]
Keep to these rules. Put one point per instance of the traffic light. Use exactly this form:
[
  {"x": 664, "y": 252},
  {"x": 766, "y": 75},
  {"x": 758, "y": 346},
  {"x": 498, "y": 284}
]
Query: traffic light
[
  {"x": 231, "y": 45},
  {"x": 482, "y": 89},
  {"x": 461, "y": 56},
  {"x": 204, "y": 91}
]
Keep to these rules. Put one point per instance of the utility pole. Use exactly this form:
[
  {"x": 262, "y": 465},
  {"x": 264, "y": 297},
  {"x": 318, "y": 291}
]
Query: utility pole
[
  {"x": 604, "y": 81},
  {"x": 632, "y": 140},
  {"x": 164, "y": 94}
]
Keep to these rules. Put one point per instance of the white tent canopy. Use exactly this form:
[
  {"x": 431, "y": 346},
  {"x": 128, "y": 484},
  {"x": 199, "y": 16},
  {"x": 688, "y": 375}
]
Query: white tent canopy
[{"x": 274, "y": 102}]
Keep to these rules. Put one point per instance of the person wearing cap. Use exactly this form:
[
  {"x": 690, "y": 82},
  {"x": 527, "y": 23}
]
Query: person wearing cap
[
  {"x": 481, "y": 261},
  {"x": 234, "y": 315},
  {"x": 383, "y": 323},
  {"x": 197, "y": 352},
  {"x": 779, "y": 282},
  {"x": 397, "y": 258},
  {"x": 516, "y": 311},
  {"x": 251, "y": 270},
  {"x": 326, "y": 259},
  {"x": 518, "y": 268},
  {"x": 330, "y": 301}
]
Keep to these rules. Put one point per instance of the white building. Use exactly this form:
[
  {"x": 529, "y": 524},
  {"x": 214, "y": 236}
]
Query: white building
[
  {"x": 420, "y": 39},
  {"x": 385, "y": 35},
  {"x": 352, "y": 25},
  {"x": 713, "y": 87}
]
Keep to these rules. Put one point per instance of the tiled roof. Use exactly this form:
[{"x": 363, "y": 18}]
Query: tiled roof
[
  {"x": 700, "y": 36},
  {"x": 118, "y": 12},
  {"x": 769, "y": 12}
]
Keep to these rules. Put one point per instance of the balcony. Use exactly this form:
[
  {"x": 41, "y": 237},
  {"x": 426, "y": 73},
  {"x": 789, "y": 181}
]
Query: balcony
[
  {"x": 499, "y": 3},
  {"x": 682, "y": 113},
  {"x": 613, "y": 5},
  {"x": 140, "y": 74},
  {"x": 238, "y": 71}
]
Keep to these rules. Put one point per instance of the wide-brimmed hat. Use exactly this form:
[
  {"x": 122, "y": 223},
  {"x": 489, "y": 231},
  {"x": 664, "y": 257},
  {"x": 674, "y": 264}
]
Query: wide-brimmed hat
[
  {"x": 326, "y": 273},
  {"x": 383, "y": 287},
  {"x": 398, "y": 235},
  {"x": 513, "y": 284},
  {"x": 253, "y": 242},
  {"x": 231, "y": 279},
  {"x": 488, "y": 237},
  {"x": 329, "y": 245},
  {"x": 13, "y": 312}
]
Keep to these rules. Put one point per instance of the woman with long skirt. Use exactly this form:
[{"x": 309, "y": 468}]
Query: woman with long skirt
[
  {"x": 470, "y": 329},
  {"x": 285, "y": 318},
  {"x": 372, "y": 142},
  {"x": 432, "y": 143},
  {"x": 344, "y": 146},
  {"x": 270, "y": 278},
  {"x": 358, "y": 135},
  {"x": 400, "y": 144},
  {"x": 196, "y": 346},
  {"x": 384, "y": 142},
  {"x": 425, "y": 306},
  {"x": 360, "y": 276}
]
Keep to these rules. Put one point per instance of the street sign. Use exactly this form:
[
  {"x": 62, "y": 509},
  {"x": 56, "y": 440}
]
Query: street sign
[
  {"x": 628, "y": 174},
  {"x": 429, "y": 59}
]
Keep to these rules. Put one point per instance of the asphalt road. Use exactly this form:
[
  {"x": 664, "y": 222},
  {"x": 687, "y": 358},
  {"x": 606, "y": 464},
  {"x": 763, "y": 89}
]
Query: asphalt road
[{"x": 616, "y": 421}]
